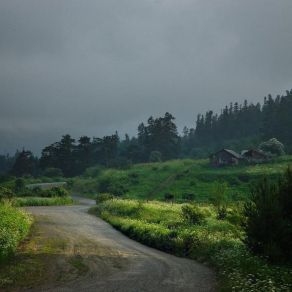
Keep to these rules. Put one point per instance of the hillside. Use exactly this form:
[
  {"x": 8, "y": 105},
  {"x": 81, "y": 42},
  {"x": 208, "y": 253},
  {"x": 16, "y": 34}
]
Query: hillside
[{"x": 178, "y": 178}]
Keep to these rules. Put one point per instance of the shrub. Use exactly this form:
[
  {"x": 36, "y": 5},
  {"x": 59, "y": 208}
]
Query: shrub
[
  {"x": 235, "y": 216},
  {"x": 47, "y": 193},
  {"x": 191, "y": 214},
  {"x": 104, "y": 184},
  {"x": 168, "y": 197},
  {"x": 155, "y": 156},
  {"x": 5, "y": 194},
  {"x": 269, "y": 219},
  {"x": 19, "y": 185},
  {"x": 100, "y": 198},
  {"x": 118, "y": 189},
  {"x": 219, "y": 198},
  {"x": 222, "y": 213},
  {"x": 57, "y": 192},
  {"x": 263, "y": 225},
  {"x": 14, "y": 226},
  {"x": 272, "y": 146},
  {"x": 134, "y": 177},
  {"x": 93, "y": 171},
  {"x": 188, "y": 197},
  {"x": 108, "y": 185}
]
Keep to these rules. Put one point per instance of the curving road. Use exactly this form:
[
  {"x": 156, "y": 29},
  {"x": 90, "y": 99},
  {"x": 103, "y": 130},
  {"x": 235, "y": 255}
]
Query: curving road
[{"x": 93, "y": 256}]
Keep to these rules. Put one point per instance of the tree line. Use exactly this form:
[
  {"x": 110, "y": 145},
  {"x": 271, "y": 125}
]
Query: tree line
[
  {"x": 241, "y": 125},
  {"x": 237, "y": 126}
]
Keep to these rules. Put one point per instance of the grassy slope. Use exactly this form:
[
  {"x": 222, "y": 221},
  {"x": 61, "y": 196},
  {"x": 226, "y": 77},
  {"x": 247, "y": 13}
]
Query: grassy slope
[
  {"x": 217, "y": 242},
  {"x": 153, "y": 180}
]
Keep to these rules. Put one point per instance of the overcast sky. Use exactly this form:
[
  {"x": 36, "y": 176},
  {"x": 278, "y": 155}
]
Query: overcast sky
[{"x": 93, "y": 67}]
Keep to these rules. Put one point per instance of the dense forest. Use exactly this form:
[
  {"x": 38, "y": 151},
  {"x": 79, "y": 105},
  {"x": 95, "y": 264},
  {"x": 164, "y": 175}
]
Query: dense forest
[{"x": 238, "y": 126}]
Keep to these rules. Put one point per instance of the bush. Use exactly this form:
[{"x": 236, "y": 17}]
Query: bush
[
  {"x": 272, "y": 146},
  {"x": 47, "y": 193},
  {"x": 5, "y": 194},
  {"x": 191, "y": 214},
  {"x": 219, "y": 198},
  {"x": 14, "y": 226},
  {"x": 104, "y": 183},
  {"x": 93, "y": 171},
  {"x": 269, "y": 219},
  {"x": 100, "y": 198},
  {"x": 155, "y": 156},
  {"x": 19, "y": 185},
  {"x": 168, "y": 197},
  {"x": 263, "y": 225},
  {"x": 108, "y": 185},
  {"x": 133, "y": 177},
  {"x": 57, "y": 192},
  {"x": 222, "y": 213},
  {"x": 188, "y": 197},
  {"x": 118, "y": 189}
]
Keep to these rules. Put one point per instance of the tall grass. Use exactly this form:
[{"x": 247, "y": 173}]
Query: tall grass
[
  {"x": 217, "y": 242},
  {"x": 14, "y": 226},
  {"x": 35, "y": 201}
]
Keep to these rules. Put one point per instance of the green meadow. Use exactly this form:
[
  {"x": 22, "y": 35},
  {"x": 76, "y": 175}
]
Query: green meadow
[{"x": 178, "y": 178}]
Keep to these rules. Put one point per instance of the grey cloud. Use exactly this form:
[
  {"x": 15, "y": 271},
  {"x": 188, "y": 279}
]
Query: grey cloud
[{"x": 90, "y": 67}]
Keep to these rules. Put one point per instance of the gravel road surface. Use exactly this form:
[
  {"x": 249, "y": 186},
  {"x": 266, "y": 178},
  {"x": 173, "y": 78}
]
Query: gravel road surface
[{"x": 96, "y": 257}]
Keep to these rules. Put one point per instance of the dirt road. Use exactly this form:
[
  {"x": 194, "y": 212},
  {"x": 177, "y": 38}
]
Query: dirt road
[{"x": 89, "y": 255}]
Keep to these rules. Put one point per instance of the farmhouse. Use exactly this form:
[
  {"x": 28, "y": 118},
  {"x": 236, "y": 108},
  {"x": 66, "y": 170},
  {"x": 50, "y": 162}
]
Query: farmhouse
[
  {"x": 254, "y": 155},
  {"x": 225, "y": 157}
]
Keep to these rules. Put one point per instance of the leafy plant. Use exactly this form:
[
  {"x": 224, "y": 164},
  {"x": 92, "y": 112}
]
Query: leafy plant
[
  {"x": 219, "y": 198},
  {"x": 269, "y": 218},
  {"x": 5, "y": 194},
  {"x": 14, "y": 226},
  {"x": 100, "y": 198},
  {"x": 191, "y": 214}
]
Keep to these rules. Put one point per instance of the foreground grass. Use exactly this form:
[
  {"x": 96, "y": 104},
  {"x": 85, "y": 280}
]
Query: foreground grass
[
  {"x": 217, "y": 242},
  {"x": 14, "y": 227},
  {"x": 35, "y": 201},
  {"x": 177, "y": 177}
]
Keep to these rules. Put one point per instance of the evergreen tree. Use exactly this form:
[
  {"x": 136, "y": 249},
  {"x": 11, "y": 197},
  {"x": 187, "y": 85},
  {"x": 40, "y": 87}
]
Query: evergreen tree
[{"x": 25, "y": 164}]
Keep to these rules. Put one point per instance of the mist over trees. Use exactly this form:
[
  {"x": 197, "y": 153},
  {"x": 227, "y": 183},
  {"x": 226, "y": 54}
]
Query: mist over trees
[
  {"x": 238, "y": 126},
  {"x": 242, "y": 125}
]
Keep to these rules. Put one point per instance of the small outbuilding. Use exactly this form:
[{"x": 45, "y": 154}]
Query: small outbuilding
[
  {"x": 225, "y": 157},
  {"x": 254, "y": 155}
]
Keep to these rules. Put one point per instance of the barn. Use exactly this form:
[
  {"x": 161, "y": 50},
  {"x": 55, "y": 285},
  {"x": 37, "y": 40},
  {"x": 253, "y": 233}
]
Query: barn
[
  {"x": 225, "y": 157},
  {"x": 254, "y": 155}
]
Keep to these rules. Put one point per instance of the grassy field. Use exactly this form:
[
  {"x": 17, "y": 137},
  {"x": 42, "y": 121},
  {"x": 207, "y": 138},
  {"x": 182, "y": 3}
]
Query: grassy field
[
  {"x": 178, "y": 177},
  {"x": 216, "y": 242}
]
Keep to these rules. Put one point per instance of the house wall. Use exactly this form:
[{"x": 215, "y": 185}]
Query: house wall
[{"x": 224, "y": 158}]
